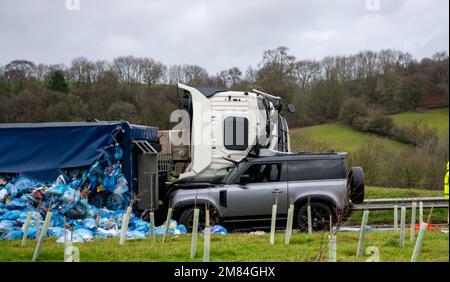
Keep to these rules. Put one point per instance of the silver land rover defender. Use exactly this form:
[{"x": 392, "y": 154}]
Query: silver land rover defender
[{"x": 244, "y": 197}]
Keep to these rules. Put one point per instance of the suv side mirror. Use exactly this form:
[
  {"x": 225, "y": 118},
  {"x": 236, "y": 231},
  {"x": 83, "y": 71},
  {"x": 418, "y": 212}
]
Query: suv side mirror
[
  {"x": 291, "y": 108},
  {"x": 244, "y": 179}
]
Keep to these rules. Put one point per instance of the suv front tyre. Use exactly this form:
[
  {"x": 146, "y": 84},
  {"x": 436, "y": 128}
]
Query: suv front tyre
[{"x": 320, "y": 216}]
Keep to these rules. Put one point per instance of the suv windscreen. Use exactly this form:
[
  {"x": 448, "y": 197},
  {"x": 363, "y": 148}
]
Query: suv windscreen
[
  {"x": 315, "y": 170},
  {"x": 230, "y": 176},
  {"x": 258, "y": 173}
]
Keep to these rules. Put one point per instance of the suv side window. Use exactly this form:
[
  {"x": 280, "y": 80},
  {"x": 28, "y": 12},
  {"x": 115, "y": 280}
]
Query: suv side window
[
  {"x": 264, "y": 172},
  {"x": 315, "y": 170}
]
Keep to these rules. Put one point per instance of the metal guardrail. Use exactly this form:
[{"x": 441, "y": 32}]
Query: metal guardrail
[{"x": 388, "y": 203}]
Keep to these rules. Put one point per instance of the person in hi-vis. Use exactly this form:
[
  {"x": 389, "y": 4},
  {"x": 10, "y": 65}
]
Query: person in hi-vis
[{"x": 446, "y": 184}]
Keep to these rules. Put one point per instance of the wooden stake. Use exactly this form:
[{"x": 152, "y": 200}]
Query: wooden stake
[
  {"x": 194, "y": 233},
  {"x": 48, "y": 217},
  {"x": 25, "y": 229},
  {"x": 362, "y": 233},
  {"x": 166, "y": 228}
]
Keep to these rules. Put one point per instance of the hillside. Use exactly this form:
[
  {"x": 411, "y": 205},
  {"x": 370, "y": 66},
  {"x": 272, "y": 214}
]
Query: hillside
[
  {"x": 436, "y": 118},
  {"x": 340, "y": 137}
]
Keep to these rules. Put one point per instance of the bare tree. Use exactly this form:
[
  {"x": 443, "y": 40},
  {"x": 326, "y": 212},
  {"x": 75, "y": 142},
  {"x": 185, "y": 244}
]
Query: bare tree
[
  {"x": 152, "y": 71},
  {"x": 279, "y": 62},
  {"x": 19, "y": 70},
  {"x": 81, "y": 70},
  {"x": 194, "y": 75},
  {"x": 127, "y": 69},
  {"x": 230, "y": 76},
  {"x": 305, "y": 72},
  {"x": 174, "y": 74}
]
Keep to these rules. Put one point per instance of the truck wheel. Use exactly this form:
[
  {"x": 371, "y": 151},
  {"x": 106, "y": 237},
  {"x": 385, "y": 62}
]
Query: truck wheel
[
  {"x": 320, "y": 217},
  {"x": 355, "y": 180}
]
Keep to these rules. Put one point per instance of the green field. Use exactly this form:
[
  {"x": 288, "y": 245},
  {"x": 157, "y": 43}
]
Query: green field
[
  {"x": 436, "y": 118},
  {"x": 340, "y": 137},
  {"x": 336, "y": 136}
]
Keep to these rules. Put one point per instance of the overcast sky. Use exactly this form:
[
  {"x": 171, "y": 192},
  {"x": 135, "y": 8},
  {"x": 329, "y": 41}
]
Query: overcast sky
[{"x": 217, "y": 34}]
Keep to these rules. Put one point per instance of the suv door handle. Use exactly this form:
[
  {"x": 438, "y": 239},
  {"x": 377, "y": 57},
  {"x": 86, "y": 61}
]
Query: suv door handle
[{"x": 276, "y": 191}]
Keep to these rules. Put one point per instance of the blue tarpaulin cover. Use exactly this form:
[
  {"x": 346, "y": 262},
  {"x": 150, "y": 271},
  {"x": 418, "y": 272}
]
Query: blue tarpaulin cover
[{"x": 39, "y": 151}]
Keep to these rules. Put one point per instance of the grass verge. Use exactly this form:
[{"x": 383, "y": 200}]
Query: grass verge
[{"x": 237, "y": 248}]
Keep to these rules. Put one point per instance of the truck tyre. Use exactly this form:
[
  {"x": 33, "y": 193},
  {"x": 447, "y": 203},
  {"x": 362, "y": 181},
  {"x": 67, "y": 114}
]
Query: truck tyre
[
  {"x": 320, "y": 216},
  {"x": 355, "y": 181}
]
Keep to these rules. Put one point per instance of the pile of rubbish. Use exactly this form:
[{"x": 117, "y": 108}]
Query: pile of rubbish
[{"x": 87, "y": 203}]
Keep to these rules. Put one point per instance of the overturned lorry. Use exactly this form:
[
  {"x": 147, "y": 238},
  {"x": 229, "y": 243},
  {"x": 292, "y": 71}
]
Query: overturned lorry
[{"x": 45, "y": 152}]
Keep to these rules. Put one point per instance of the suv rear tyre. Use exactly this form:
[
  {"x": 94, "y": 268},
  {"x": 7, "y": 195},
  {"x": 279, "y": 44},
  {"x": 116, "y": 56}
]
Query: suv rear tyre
[{"x": 320, "y": 216}]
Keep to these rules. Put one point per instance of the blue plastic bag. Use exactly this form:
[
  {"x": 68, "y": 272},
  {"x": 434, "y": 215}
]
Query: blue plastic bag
[
  {"x": 218, "y": 230},
  {"x": 16, "y": 204},
  {"x": 55, "y": 231},
  {"x": 121, "y": 185},
  {"x": 57, "y": 190},
  {"x": 12, "y": 215},
  {"x": 115, "y": 201},
  {"x": 134, "y": 234},
  {"x": 24, "y": 185},
  {"x": 89, "y": 223}
]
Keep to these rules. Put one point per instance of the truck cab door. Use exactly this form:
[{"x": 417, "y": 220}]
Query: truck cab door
[{"x": 255, "y": 190}]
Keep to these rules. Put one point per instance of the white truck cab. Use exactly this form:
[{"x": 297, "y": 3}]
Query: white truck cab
[{"x": 227, "y": 126}]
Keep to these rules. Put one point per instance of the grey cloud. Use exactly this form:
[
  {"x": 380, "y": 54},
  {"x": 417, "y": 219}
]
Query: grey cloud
[{"x": 217, "y": 34}]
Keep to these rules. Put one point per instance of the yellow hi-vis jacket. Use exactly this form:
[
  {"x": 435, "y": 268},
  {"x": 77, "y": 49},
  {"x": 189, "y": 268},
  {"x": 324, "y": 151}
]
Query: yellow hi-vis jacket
[{"x": 446, "y": 184}]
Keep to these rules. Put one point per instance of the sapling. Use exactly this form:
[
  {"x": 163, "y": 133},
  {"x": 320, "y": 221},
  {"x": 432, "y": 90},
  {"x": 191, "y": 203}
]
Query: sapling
[
  {"x": 42, "y": 235},
  {"x": 420, "y": 237},
  {"x": 124, "y": 229},
  {"x": 362, "y": 233},
  {"x": 309, "y": 219},
  {"x": 402, "y": 226},
  {"x": 289, "y": 225},
  {"x": 166, "y": 228},
  {"x": 207, "y": 237},
  {"x": 152, "y": 227},
  {"x": 413, "y": 221},
  {"x": 395, "y": 217},
  {"x": 25, "y": 229},
  {"x": 194, "y": 233},
  {"x": 332, "y": 248}
]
